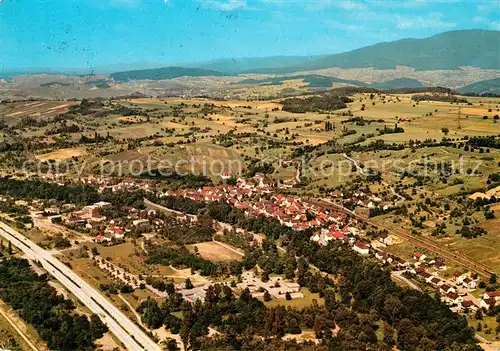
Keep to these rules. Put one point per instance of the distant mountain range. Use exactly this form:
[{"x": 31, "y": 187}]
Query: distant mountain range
[
  {"x": 445, "y": 51},
  {"x": 164, "y": 73},
  {"x": 313, "y": 80},
  {"x": 491, "y": 86}
]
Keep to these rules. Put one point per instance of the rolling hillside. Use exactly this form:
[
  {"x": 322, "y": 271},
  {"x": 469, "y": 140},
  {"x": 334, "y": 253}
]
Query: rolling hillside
[
  {"x": 312, "y": 80},
  {"x": 163, "y": 73},
  {"x": 397, "y": 83},
  {"x": 490, "y": 86},
  {"x": 319, "y": 81}
]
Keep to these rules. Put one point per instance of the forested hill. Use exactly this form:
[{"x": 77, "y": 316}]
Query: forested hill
[
  {"x": 484, "y": 87},
  {"x": 445, "y": 51},
  {"x": 163, "y": 73},
  {"x": 448, "y": 50},
  {"x": 398, "y": 83}
]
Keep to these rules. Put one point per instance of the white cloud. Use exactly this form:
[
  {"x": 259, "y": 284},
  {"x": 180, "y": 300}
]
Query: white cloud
[
  {"x": 126, "y": 3},
  {"x": 344, "y": 26},
  {"x": 397, "y": 4},
  {"x": 487, "y": 7},
  {"x": 352, "y": 5},
  {"x": 348, "y": 5},
  {"x": 224, "y": 5},
  {"x": 492, "y": 24},
  {"x": 478, "y": 19},
  {"x": 433, "y": 20}
]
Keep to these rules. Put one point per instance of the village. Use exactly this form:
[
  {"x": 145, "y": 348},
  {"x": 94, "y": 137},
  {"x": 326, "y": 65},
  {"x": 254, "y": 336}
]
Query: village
[{"x": 257, "y": 197}]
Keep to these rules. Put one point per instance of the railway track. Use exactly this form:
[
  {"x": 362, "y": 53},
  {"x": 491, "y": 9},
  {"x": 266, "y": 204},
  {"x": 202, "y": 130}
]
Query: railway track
[{"x": 461, "y": 259}]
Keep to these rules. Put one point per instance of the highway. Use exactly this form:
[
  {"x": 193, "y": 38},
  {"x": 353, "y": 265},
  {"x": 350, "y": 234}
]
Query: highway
[{"x": 132, "y": 337}]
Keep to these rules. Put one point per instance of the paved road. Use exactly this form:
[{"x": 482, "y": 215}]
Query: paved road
[
  {"x": 461, "y": 259},
  {"x": 125, "y": 330},
  {"x": 399, "y": 275}
]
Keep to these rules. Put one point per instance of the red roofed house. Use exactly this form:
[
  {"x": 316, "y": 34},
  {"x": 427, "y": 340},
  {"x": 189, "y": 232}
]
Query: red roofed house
[
  {"x": 487, "y": 303},
  {"x": 361, "y": 248},
  {"x": 469, "y": 283},
  {"x": 419, "y": 256},
  {"x": 419, "y": 270},
  {"x": 453, "y": 298},
  {"x": 492, "y": 295},
  {"x": 446, "y": 289},
  {"x": 337, "y": 235},
  {"x": 334, "y": 235},
  {"x": 468, "y": 305}
]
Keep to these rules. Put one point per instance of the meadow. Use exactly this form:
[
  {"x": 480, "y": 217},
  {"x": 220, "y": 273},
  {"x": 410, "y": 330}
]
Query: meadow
[
  {"x": 212, "y": 137},
  {"x": 215, "y": 251}
]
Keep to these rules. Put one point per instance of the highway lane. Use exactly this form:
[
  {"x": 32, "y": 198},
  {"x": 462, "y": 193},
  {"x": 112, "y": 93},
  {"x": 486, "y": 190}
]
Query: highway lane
[
  {"x": 115, "y": 328},
  {"x": 128, "y": 333}
]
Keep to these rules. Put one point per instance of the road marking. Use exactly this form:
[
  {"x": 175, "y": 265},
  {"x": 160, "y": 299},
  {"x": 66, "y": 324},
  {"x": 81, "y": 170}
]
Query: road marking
[{"x": 128, "y": 332}]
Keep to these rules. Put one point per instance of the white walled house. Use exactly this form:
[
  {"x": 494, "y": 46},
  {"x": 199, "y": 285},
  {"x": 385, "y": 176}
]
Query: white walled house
[{"x": 361, "y": 248}]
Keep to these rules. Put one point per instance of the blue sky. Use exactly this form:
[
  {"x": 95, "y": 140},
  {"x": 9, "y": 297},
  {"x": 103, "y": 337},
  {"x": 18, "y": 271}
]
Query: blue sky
[{"x": 93, "y": 33}]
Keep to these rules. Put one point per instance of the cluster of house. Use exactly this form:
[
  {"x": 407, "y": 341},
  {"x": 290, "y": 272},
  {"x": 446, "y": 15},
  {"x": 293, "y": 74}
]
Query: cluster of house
[
  {"x": 490, "y": 299},
  {"x": 421, "y": 259},
  {"x": 101, "y": 183},
  {"x": 110, "y": 230},
  {"x": 359, "y": 198},
  {"x": 453, "y": 292},
  {"x": 276, "y": 286},
  {"x": 126, "y": 184},
  {"x": 247, "y": 195},
  {"x": 343, "y": 232},
  {"x": 397, "y": 262}
]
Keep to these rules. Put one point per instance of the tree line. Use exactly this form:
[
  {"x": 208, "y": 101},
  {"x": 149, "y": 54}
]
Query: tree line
[
  {"x": 37, "y": 189},
  {"x": 438, "y": 97},
  {"x": 412, "y": 320},
  {"x": 315, "y": 103},
  {"x": 51, "y": 314}
]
